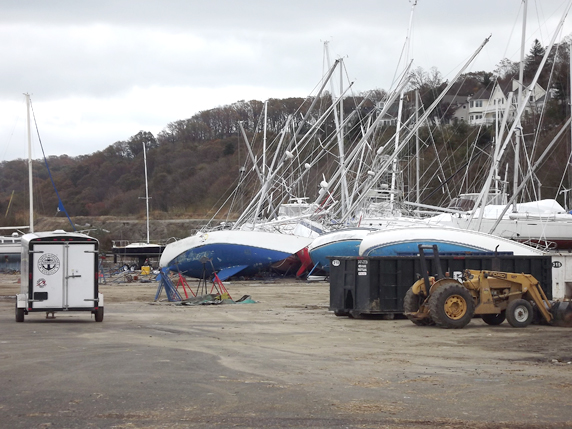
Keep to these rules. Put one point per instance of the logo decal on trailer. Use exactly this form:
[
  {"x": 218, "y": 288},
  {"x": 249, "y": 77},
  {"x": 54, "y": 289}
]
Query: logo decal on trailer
[
  {"x": 49, "y": 264},
  {"x": 41, "y": 283}
]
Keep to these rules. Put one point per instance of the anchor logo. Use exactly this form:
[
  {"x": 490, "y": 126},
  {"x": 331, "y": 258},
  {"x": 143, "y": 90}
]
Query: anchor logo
[{"x": 49, "y": 264}]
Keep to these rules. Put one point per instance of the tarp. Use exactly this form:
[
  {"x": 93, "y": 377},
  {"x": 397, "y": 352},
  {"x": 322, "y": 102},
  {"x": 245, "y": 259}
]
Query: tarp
[{"x": 216, "y": 299}]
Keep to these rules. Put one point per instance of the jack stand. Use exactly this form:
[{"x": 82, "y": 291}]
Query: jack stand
[
  {"x": 182, "y": 282},
  {"x": 202, "y": 288}
]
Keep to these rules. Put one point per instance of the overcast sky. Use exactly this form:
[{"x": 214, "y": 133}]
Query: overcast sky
[{"x": 101, "y": 71}]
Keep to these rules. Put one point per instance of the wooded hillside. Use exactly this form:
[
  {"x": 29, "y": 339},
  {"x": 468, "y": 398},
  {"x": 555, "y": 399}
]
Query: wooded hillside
[{"x": 193, "y": 164}]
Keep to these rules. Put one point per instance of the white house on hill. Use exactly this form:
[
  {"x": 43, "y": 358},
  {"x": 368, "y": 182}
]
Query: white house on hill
[{"x": 484, "y": 107}]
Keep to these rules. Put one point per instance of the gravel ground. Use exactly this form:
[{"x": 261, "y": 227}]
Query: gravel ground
[{"x": 285, "y": 361}]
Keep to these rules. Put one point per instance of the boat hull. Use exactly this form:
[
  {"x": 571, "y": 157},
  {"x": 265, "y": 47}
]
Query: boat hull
[
  {"x": 338, "y": 243},
  {"x": 240, "y": 252},
  {"x": 405, "y": 241},
  {"x": 542, "y": 222}
]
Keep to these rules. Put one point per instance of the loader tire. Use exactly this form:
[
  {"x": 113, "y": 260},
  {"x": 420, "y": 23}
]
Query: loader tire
[
  {"x": 19, "y": 314},
  {"x": 451, "y": 306},
  {"x": 494, "y": 319},
  {"x": 411, "y": 304},
  {"x": 519, "y": 313}
]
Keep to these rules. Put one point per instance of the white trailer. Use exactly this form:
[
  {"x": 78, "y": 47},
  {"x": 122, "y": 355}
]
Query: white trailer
[{"x": 59, "y": 273}]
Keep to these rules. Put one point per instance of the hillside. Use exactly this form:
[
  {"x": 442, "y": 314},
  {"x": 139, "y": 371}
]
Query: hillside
[
  {"x": 211, "y": 164},
  {"x": 108, "y": 228}
]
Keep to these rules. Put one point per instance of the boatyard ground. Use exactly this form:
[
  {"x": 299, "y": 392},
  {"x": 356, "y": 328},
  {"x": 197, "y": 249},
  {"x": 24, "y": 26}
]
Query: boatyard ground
[{"x": 285, "y": 361}]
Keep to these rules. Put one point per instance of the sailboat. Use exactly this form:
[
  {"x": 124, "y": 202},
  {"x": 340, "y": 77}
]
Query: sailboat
[
  {"x": 543, "y": 223},
  {"x": 141, "y": 251},
  {"x": 266, "y": 232}
]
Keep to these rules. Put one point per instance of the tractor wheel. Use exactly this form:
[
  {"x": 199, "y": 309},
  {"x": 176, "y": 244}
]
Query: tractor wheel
[
  {"x": 99, "y": 314},
  {"x": 519, "y": 313},
  {"x": 451, "y": 306},
  {"x": 411, "y": 304},
  {"x": 19, "y": 314},
  {"x": 494, "y": 319}
]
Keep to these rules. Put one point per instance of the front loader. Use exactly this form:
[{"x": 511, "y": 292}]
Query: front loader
[{"x": 492, "y": 295}]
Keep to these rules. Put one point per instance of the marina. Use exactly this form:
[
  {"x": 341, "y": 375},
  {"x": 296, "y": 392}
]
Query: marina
[{"x": 398, "y": 256}]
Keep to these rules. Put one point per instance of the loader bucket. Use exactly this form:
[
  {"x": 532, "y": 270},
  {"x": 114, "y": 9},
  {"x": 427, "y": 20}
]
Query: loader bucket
[{"x": 562, "y": 313}]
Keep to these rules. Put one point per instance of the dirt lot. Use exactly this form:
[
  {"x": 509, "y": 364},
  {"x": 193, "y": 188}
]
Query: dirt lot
[{"x": 285, "y": 361}]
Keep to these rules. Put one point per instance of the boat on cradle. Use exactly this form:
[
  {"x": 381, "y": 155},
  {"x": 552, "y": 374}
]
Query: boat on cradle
[
  {"x": 270, "y": 229},
  {"x": 10, "y": 252},
  {"x": 10, "y": 244},
  {"x": 544, "y": 223},
  {"x": 541, "y": 223},
  {"x": 232, "y": 252},
  {"x": 137, "y": 250},
  {"x": 142, "y": 251},
  {"x": 344, "y": 242},
  {"x": 406, "y": 241}
]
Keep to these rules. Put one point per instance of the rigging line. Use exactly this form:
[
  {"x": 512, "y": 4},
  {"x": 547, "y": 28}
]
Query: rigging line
[
  {"x": 439, "y": 163},
  {"x": 474, "y": 158},
  {"x": 560, "y": 188},
  {"x": 541, "y": 119},
  {"x": 60, "y": 203},
  {"x": 11, "y": 134},
  {"x": 232, "y": 193},
  {"x": 538, "y": 19},
  {"x": 516, "y": 19}
]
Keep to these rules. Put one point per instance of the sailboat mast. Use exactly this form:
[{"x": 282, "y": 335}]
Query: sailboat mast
[
  {"x": 395, "y": 164},
  {"x": 417, "y": 166},
  {"x": 264, "y": 140},
  {"x": 569, "y": 206},
  {"x": 30, "y": 184},
  {"x": 519, "y": 100},
  {"x": 146, "y": 190}
]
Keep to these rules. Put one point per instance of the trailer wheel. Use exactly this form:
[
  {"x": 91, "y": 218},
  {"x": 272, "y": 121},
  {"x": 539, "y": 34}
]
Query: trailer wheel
[
  {"x": 494, "y": 319},
  {"x": 411, "y": 304},
  {"x": 19, "y": 314},
  {"x": 519, "y": 313},
  {"x": 99, "y": 314},
  {"x": 451, "y": 306}
]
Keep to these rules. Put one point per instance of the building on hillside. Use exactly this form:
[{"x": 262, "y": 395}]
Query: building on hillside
[
  {"x": 535, "y": 101},
  {"x": 478, "y": 107},
  {"x": 457, "y": 105},
  {"x": 485, "y": 106},
  {"x": 390, "y": 117}
]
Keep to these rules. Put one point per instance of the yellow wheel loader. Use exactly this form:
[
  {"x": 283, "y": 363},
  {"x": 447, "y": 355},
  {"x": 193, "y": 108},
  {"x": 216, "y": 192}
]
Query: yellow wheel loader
[{"x": 492, "y": 295}]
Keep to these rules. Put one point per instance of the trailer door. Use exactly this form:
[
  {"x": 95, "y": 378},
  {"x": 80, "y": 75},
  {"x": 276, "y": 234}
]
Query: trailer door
[
  {"x": 80, "y": 278},
  {"x": 63, "y": 275},
  {"x": 47, "y": 280}
]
